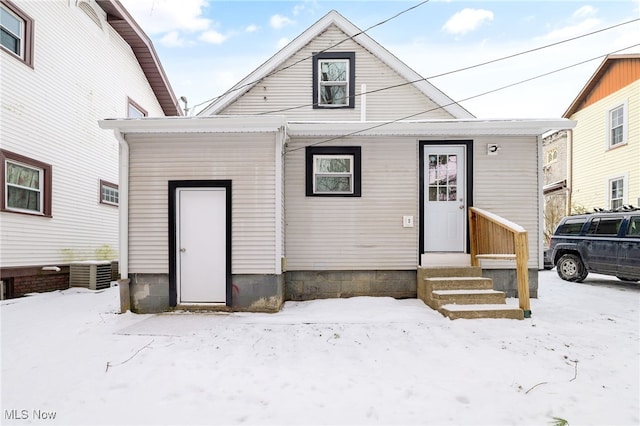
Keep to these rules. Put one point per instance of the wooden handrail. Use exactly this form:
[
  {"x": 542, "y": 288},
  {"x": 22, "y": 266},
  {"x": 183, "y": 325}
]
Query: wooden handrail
[{"x": 493, "y": 237}]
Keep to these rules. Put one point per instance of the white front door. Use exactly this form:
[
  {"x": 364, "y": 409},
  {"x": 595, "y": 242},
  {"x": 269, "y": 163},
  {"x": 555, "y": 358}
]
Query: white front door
[
  {"x": 445, "y": 212},
  {"x": 201, "y": 245}
]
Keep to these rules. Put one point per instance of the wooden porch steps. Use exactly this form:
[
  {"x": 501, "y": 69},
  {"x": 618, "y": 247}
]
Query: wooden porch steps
[{"x": 462, "y": 292}]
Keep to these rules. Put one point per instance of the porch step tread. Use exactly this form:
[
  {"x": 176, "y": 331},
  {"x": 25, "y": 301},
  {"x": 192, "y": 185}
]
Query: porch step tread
[
  {"x": 465, "y": 292},
  {"x": 492, "y": 307},
  {"x": 457, "y": 278}
]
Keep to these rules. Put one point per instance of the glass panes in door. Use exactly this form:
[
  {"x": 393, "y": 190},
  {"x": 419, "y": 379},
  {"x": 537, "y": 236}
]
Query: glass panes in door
[{"x": 443, "y": 177}]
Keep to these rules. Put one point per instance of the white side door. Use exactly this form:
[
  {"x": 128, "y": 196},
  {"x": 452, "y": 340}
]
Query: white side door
[
  {"x": 201, "y": 245},
  {"x": 445, "y": 212}
]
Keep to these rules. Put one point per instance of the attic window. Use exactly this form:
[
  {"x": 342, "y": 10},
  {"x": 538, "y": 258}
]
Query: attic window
[{"x": 334, "y": 80}]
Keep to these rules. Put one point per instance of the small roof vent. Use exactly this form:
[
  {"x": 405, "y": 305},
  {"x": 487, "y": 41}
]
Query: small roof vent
[{"x": 91, "y": 13}]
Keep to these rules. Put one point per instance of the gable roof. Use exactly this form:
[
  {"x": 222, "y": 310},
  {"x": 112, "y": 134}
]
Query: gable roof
[
  {"x": 334, "y": 18},
  {"x": 583, "y": 99},
  {"x": 130, "y": 31}
]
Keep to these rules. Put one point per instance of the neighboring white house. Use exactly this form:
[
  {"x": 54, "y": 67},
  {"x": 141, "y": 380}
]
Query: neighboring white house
[
  {"x": 332, "y": 170},
  {"x": 64, "y": 66}
]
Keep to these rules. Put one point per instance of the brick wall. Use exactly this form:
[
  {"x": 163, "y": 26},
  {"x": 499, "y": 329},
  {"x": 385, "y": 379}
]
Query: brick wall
[{"x": 37, "y": 284}]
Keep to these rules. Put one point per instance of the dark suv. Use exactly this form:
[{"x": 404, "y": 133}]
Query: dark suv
[{"x": 602, "y": 242}]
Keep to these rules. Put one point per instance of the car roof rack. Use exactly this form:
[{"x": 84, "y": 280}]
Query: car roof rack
[{"x": 622, "y": 209}]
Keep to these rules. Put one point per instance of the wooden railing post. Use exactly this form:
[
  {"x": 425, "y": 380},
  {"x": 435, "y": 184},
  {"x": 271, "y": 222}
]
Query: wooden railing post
[
  {"x": 522, "y": 271},
  {"x": 473, "y": 237}
]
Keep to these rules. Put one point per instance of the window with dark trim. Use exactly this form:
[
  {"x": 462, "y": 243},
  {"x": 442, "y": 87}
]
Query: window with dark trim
[
  {"x": 109, "y": 193},
  {"x": 334, "y": 75},
  {"x": 134, "y": 110},
  {"x": 26, "y": 185},
  {"x": 16, "y": 32},
  {"x": 333, "y": 171}
]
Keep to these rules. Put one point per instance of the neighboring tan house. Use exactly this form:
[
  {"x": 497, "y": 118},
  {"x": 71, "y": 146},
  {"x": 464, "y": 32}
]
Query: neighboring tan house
[
  {"x": 332, "y": 170},
  {"x": 554, "y": 157},
  {"x": 66, "y": 65},
  {"x": 604, "y": 147}
]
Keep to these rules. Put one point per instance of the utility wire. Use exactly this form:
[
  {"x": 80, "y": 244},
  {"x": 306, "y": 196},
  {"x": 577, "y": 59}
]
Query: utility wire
[
  {"x": 234, "y": 89},
  {"x": 462, "y": 69},
  {"x": 462, "y": 100}
]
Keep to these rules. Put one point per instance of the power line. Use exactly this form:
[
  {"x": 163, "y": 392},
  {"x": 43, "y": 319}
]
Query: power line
[
  {"x": 462, "y": 100},
  {"x": 234, "y": 89},
  {"x": 464, "y": 68}
]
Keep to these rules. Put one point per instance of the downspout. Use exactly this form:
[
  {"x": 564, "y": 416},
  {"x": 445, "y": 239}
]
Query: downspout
[
  {"x": 541, "y": 220},
  {"x": 279, "y": 190},
  {"x": 569, "y": 188},
  {"x": 123, "y": 206}
]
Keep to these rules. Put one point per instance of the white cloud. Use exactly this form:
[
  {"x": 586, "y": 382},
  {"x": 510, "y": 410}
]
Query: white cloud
[
  {"x": 572, "y": 30},
  {"x": 283, "y": 42},
  {"x": 584, "y": 11},
  {"x": 172, "y": 39},
  {"x": 212, "y": 37},
  {"x": 161, "y": 16},
  {"x": 252, "y": 28},
  {"x": 279, "y": 21},
  {"x": 467, "y": 20}
]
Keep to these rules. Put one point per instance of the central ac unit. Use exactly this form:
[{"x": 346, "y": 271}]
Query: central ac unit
[{"x": 94, "y": 275}]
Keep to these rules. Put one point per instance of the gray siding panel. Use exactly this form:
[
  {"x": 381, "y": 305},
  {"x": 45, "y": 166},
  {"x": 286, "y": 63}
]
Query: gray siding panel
[
  {"x": 246, "y": 159},
  {"x": 365, "y": 233}
]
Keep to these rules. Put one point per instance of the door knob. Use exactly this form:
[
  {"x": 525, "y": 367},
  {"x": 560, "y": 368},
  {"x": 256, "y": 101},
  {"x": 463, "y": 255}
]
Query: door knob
[{"x": 182, "y": 250}]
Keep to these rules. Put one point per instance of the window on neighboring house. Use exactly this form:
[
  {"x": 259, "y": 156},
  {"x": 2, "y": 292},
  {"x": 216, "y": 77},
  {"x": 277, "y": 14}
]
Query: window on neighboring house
[
  {"x": 26, "y": 185},
  {"x": 617, "y": 126},
  {"x": 334, "y": 80},
  {"x": 109, "y": 193},
  {"x": 16, "y": 32},
  {"x": 333, "y": 171},
  {"x": 134, "y": 110},
  {"x": 616, "y": 193},
  {"x": 552, "y": 155}
]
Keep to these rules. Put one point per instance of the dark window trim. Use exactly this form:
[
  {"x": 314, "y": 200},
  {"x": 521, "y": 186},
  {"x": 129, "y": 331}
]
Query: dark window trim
[
  {"x": 173, "y": 186},
  {"x": 351, "y": 56},
  {"x": 334, "y": 150},
  {"x": 46, "y": 187},
  {"x": 27, "y": 57},
  {"x": 112, "y": 186},
  {"x": 131, "y": 102},
  {"x": 469, "y": 192}
]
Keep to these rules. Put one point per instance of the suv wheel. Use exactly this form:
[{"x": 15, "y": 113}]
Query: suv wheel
[{"x": 571, "y": 268}]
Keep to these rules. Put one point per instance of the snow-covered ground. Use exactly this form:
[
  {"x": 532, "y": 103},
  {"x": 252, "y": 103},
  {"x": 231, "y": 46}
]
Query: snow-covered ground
[{"x": 68, "y": 358}]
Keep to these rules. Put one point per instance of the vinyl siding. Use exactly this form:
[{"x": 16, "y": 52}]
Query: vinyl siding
[
  {"x": 593, "y": 163},
  {"x": 246, "y": 159},
  {"x": 366, "y": 233},
  {"x": 49, "y": 113},
  {"x": 292, "y": 88},
  {"x": 507, "y": 185}
]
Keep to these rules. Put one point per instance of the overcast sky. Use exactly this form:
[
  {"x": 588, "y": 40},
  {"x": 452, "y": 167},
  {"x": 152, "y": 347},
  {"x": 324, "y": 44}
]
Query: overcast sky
[{"x": 207, "y": 46}]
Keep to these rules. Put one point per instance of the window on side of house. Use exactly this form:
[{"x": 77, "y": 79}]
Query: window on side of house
[
  {"x": 109, "y": 193},
  {"x": 334, "y": 80},
  {"x": 16, "y": 32},
  {"x": 552, "y": 155},
  {"x": 26, "y": 185},
  {"x": 333, "y": 171},
  {"x": 617, "y": 125},
  {"x": 134, "y": 110},
  {"x": 616, "y": 192}
]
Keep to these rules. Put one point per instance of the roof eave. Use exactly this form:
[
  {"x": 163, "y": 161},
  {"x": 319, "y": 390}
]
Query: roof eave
[{"x": 124, "y": 24}]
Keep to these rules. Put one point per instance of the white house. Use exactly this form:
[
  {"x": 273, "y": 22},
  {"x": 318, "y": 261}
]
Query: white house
[
  {"x": 65, "y": 65},
  {"x": 332, "y": 170}
]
